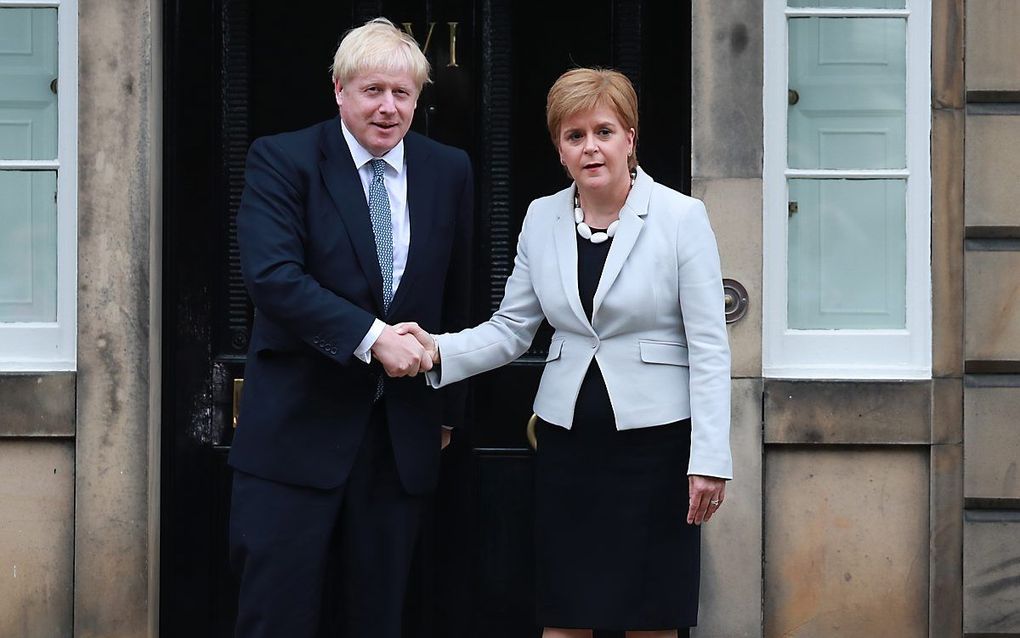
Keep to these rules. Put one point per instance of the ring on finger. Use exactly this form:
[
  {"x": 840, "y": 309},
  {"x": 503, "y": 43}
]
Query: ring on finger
[{"x": 715, "y": 502}]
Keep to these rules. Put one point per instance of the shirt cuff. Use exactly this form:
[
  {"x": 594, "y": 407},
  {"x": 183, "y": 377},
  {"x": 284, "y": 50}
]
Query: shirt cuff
[{"x": 364, "y": 349}]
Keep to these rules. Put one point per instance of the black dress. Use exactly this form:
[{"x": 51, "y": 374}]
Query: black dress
[{"x": 613, "y": 547}]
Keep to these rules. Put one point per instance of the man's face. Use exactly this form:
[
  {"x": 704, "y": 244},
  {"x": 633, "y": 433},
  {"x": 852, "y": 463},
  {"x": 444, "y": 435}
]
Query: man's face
[{"x": 377, "y": 108}]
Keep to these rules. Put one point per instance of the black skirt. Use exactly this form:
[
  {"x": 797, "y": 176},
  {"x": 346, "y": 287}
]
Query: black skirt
[{"x": 613, "y": 547}]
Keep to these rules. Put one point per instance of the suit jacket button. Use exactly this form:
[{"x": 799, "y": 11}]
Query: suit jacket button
[
  {"x": 315, "y": 340},
  {"x": 332, "y": 351}
]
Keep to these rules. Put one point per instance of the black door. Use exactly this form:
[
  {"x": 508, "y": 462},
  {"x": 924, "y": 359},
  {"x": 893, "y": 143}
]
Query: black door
[{"x": 238, "y": 69}]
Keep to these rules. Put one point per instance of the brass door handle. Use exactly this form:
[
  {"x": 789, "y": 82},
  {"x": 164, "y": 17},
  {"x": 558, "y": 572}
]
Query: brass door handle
[
  {"x": 238, "y": 386},
  {"x": 530, "y": 432}
]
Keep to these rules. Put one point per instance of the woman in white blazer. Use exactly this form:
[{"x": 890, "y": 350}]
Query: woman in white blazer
[{"x": 634, "y": 401}]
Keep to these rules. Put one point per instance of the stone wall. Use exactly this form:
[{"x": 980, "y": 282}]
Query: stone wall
[
  {"x": 118, "y": 310},
  {"x": 991, "y": 542},
  {"x": 727, "y": 143},
  {"x": 845, "y": 516}
]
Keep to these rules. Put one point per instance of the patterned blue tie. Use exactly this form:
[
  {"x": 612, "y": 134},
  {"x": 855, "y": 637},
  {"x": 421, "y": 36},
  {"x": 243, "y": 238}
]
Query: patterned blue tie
[{"x": 382, "y": 228}]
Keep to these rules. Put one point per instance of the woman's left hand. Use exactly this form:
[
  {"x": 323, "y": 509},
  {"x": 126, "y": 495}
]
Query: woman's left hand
[{"x": 707, "y": 494}]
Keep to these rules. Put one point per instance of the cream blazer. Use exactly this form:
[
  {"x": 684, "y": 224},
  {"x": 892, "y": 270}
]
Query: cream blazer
[{"x": 658, "y": 329}]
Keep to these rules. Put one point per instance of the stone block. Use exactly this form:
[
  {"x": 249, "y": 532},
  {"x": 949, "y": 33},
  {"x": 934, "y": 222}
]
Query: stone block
[
  {"x": 734, "y": 206},
  {"x": 827, "y": 412},
  {"x": 991, "y": 156},
  {"x": 947, "y": 235},
  {"x": 119, "y": 146},
  {"x": 945, "y": 593},
  {"x": 947, "y": 411},
  {"x": 846, "y": 542},
  {"x": 726, "y": 68},
  {"x": 992, "y": 45},
  {"x": 36, "y": 537},
  {"x": 731, "y": 541},
  {"x": 991, "y": 573},
  {"x": 947, "y": 64},
  {"x": 37, "y": 404},
  {"x": 992, "y": 306},
  {"x": 992, "y": 441}
]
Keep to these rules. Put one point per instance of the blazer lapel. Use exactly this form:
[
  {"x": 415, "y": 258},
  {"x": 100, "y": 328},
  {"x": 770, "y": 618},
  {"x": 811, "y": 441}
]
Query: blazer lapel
[
  {"x": 631, "y": 223},
  {"x": 344, "y": 186},
  {"x": 564, "y": 237},
  {"x": 421, "y": 209}
]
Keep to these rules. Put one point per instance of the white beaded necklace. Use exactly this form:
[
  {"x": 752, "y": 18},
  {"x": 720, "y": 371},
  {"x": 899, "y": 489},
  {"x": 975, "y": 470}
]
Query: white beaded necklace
[{"x": 584, "y": 230}]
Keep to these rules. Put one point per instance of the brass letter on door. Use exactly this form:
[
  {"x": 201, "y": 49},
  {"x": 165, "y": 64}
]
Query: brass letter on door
[
  {"x": 453, "y": 44},
  {"x": 428, "y": 37}
]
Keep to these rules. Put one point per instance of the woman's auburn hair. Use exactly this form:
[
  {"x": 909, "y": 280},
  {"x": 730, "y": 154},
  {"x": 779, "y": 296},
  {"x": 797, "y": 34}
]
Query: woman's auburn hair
[{"x": 585, "y": 89}]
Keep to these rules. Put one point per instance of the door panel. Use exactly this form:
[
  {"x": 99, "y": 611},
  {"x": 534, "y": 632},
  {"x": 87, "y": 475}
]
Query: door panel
[
  {"x": 849, "y": 77},
  {"x": 847, "y": 238},
  {"x": 28, "y": 72},
  {"x": 28, "y": 246},
  {"x": 847, "y": 254},
  {"x": 491, "y": 69},
  {"x": 28, "y": 131}
]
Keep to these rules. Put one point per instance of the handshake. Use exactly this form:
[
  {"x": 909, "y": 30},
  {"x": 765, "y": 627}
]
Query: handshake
[{"x": 405, "y": 349}]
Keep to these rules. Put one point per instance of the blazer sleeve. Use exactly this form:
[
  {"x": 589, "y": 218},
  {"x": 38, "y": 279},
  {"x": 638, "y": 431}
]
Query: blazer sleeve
[
  {"x": 504, "y": 337},
  {"x": 457, "y": 291},
  {"x": 701, "y": 303},
  {"x": 271, "y": 234}
]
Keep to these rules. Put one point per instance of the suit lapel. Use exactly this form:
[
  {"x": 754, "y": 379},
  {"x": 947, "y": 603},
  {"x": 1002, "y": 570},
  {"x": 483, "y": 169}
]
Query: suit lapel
[
  {"x": 564, "y": 237},
  {"x": 631, "y": 223},
  {"x": 421, "y": 191},
  {"x": 348, "y": 194}
]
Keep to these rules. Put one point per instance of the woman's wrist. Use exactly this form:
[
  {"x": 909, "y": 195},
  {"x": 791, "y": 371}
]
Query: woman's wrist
[{"x": 435, "y": 349}]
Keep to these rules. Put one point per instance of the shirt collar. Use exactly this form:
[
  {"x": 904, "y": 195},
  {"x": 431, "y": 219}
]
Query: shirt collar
[{"x": 394, "y": 158}]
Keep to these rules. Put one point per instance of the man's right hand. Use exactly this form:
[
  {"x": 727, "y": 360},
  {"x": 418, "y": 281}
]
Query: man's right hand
[
  {"x": 426, "y": 340},
  {"x": 400, "y": 355}
]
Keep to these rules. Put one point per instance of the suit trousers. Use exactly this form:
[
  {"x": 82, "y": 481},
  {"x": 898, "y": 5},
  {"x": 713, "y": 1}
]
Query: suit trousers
[{"x": 314, "y": 563}]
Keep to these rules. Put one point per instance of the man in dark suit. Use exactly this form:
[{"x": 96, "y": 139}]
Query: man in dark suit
[{"x": 345, "y": 228}]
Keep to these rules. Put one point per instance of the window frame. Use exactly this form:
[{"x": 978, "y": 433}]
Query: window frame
[
  {"x": 846, "y": 353},
  {"x": 51, "y": 346}
]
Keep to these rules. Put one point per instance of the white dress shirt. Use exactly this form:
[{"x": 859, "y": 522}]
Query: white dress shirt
[{"x": 395, "y": 180}]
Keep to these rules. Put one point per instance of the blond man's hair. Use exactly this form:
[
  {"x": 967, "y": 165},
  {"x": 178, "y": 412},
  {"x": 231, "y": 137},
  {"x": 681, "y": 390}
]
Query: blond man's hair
[
  {"x": 380, "y": 46},
  {"x": 585, "y": 89}
]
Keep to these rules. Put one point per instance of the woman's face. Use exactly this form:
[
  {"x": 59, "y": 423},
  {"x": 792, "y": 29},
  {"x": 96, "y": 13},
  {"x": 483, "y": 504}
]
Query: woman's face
[{"x": 594, "y": 146}]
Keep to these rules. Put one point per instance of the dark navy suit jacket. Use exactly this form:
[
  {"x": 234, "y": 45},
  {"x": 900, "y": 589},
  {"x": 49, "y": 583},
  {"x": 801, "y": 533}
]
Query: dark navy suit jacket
[{"x": 309, "y": 261}]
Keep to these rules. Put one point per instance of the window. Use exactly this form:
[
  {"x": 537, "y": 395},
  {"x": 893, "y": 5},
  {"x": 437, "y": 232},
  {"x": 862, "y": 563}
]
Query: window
[
  {"x": 38, "y": 184},
  {"x": 847, "y": 213}
]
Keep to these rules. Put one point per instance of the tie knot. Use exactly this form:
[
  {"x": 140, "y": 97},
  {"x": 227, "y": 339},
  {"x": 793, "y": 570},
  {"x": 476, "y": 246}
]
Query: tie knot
[{"x": 378, "y": 168}]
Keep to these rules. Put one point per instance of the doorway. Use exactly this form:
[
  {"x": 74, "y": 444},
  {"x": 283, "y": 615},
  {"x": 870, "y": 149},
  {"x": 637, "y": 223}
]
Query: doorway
[{"x": 239, "y": 69}]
